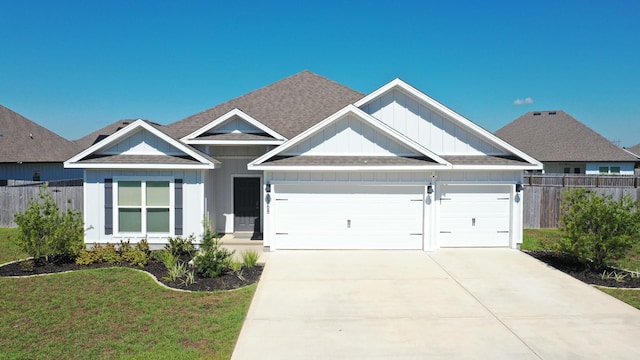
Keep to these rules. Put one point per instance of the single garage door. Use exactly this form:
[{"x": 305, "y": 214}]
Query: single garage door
[
  {"x": 348, "y": 217},
  {"x": 474, "y": 215}
]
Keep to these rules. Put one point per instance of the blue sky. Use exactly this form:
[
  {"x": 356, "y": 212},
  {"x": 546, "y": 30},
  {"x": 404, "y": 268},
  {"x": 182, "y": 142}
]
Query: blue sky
[{"x": 76, "y": 66}]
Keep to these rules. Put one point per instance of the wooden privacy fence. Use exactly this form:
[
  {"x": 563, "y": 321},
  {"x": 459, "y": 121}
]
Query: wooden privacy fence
[
  {"x": 15, "y": 196},
  {"x": 543, "y": 193}
]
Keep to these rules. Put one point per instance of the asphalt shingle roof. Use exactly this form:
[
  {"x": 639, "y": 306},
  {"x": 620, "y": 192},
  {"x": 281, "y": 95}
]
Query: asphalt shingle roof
[
  {"x": 557, "y": 136},
  {"x": 635, "y": 149},
  {"x": 90, "y": 139},
  {"x": 288, "y": 106},
  {"x": 23, "y": 140}
]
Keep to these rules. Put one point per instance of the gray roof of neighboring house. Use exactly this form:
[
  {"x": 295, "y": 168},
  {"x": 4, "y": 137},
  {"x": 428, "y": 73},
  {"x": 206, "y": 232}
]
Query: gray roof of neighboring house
[
  {"x": 96, "y": 136},
  {"x": 635, "y": 149},
  {"x": 288, "y": 106},
  {"x": 22, "y": 140},
  {"x": 556, "y": 136}
]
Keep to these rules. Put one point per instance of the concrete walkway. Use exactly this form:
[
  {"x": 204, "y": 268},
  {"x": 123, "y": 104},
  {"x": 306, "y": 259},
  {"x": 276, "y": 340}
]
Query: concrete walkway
[{"x": 449, "y": 304}]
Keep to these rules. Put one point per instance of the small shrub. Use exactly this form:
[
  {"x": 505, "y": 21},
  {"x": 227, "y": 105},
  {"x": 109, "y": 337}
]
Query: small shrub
[
  {"x": 179, "y": 246},
  {"x": 109, "y": 254},
  {"x": 133, "y": 255},
  {"x": 44, "y": 230},
  {"x": 136, "y": 257},
  {"x": 212, "y": 258},
  {"x": 143, "y": 245},
  {"x": 613, "y": 275},
  {"x": 250, "y": 258},
  {"x": 87, "y": 257},
  {"x": 598, "y": 229}
]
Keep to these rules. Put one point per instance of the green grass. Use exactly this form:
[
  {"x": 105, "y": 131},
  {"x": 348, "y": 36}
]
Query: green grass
[
  {"x": 631, "y": 297},
  {"x": 8, "y": 251},
  {"x": 113, "y": 313},
  {"x": 116, "y": 313},
  {"x": 540, "y": 239}
]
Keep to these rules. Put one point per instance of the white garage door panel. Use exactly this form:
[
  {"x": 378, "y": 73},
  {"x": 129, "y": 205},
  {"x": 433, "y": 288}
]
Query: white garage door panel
[
  {"x": 474, "y": 215},
  {"x": 348, "y": 217}
]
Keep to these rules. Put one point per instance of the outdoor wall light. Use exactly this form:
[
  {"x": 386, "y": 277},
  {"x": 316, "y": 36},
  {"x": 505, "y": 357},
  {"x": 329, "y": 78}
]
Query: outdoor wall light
[
  {"x": 267, "y": 188},
  {"x": 429, "y": 189},
  {"x": 519, "y": 187}
]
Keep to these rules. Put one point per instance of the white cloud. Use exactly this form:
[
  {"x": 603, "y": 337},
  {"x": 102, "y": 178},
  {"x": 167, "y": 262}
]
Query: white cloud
[{"x": 524, "y": 101}]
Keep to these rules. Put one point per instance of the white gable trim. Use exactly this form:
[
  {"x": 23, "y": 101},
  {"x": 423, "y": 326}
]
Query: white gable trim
[
  {"x": 192, "y": 138},
  {"x": 449, "y": 113},
  {"x": 129, "y": 129},
  {"x": 349, "y": 109}
]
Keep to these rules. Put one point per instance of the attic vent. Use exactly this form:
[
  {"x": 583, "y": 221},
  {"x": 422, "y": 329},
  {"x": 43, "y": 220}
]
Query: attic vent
[
  {"x": 552, "y": 112},
  {"x": 536, "y": 113}
]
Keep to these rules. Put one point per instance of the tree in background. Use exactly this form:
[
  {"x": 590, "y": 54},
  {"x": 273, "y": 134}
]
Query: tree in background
[
  {"x": 596, "y": 228},
  {"x": 44, "y": 230}
]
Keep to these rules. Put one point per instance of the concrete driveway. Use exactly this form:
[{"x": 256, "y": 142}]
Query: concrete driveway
[{"x": 452, "y": 303}]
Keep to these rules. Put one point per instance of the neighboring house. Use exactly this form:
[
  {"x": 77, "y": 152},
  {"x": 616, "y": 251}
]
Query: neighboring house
[
  {"x": 635, "y": 150},
  {"x": 99, "y": 135},
  {"x": 565, "y": 145},
  {"x": 311, "y": 164},
  {"x": 28, "y": 151}
]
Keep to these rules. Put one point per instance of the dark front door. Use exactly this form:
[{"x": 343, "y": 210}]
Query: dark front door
[{"x": 246, "y": 204}]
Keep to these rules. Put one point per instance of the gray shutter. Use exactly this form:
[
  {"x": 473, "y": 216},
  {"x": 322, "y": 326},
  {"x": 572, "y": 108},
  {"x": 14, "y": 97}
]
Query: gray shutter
[
  {"x": 178, "y": 206},
  {"x": 108, "y": 206}
]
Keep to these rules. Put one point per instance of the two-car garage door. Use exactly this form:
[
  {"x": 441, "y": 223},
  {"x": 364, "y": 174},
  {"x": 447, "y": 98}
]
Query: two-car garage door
[
  {"x": 348, "y": 217},
  {"x": 390, "y": 217}
]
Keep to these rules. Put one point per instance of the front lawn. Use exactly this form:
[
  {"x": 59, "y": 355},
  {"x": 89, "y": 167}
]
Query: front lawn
[
  {"x": 116, "y": 313},
  {"x": 631, "y": 297},
  {"x": 8, "y": 251},
  {"x": 113, "y": 313}
]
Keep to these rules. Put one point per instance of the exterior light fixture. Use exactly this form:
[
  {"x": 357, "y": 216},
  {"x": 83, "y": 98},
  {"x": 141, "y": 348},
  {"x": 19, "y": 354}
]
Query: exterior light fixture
[
  {"x": 430, "y": 189},
  {"x": 267, "y": 187},
  {"x": 519, "y": 187}
]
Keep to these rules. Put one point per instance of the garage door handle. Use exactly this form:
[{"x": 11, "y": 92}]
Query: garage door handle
[
  {"x": 504, "y": 198},
  {"x": 282, "y": 233},
  {"x": 445, "y": 232},
  {"x": 282, "y": 199},
  {"x": 503, "y": 232},
  {"x": 443, "y": 198}
]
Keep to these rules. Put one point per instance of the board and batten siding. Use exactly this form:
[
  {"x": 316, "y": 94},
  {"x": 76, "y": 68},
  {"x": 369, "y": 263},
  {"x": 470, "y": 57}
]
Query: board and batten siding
[
  {"x": 94, "y": 203},
  {"x": 426, "y": 126},
  {"x": 142, "y": 143},
  {"x": 234, "y": 164},
  {"x": 352, "y": 136}
]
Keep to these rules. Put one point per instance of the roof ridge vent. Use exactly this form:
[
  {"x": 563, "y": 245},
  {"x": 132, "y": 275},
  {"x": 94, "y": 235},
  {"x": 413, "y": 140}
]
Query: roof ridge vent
[
  {"x": 552, "y": 112},
  {"x": 536, "y": 113}
]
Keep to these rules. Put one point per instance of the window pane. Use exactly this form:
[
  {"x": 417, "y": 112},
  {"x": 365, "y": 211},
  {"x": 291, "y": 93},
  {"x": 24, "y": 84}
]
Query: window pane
[
  {"x": 615, "y": 169},
  {"x": 158, "y": 220},
  {"x": 604, "y": 169},
  {"x": 130, "y": 220},
  {"x": 129, "y": 193},
  {"x": 157, "y": 193}
]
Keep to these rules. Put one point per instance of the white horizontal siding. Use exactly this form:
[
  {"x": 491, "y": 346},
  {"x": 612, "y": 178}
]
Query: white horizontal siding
[
  {"x": 426, "y": 126},
  {"x": 350, "y": 136},
  {"x": 142, "y": 143},
  {"x": 193, "y": 203}
]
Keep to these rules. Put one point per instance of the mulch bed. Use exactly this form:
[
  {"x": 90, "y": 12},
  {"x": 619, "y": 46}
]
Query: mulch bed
[
  {"x": 226, "y": 281},
  {"x": 571, "y": 266}
]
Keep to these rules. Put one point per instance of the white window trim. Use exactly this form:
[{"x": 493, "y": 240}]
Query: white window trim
[{"x": 143, "y": 180}]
